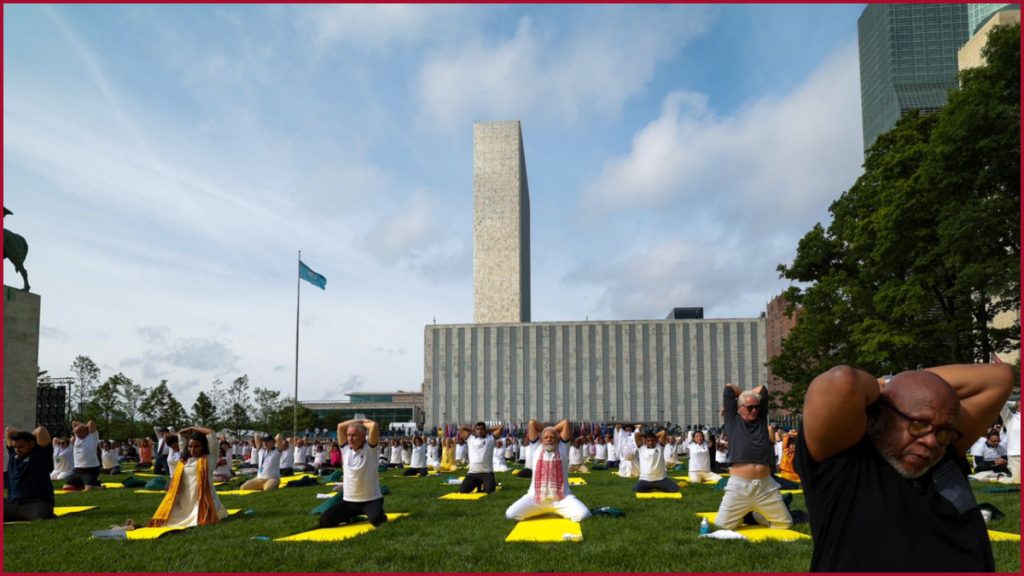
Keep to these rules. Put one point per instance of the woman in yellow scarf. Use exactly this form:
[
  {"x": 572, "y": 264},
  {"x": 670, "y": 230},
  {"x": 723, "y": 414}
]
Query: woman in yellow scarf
[
  {"x": 191, "y": 499},
  {"x": 447, "y": 456}
]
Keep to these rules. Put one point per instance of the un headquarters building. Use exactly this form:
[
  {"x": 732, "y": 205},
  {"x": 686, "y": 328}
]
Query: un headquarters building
[{"x": 504, "y": 367}]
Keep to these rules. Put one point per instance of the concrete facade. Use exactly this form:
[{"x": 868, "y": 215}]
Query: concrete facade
[
  {"x": 501, "y": 224},
  {"x": 970, "y": 55},
  {"x": 627, "y": 371},
  {"x": 21, "y": 357}
]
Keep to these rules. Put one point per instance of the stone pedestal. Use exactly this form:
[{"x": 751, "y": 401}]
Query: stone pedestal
[{"x": 21, "y": 357}]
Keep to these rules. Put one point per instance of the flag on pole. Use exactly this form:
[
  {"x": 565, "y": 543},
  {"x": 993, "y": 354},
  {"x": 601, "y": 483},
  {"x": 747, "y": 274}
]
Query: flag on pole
[{"x": 307, "y": 274}]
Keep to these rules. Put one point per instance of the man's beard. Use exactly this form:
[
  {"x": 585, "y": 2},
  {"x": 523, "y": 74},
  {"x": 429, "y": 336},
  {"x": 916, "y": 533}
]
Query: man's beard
[
  {"x": 891, "y": 456},
  {"x": 549, "y": 447}
]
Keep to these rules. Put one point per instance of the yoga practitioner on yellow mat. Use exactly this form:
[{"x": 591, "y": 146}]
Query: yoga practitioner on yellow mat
[
  {"x": 447, "y": 456},
  {"x": 361, "y": 482},
  {"x": 268, "y": 476},
  {"x": 549, "y": 486},
  {"x": 191, "y": 499}
]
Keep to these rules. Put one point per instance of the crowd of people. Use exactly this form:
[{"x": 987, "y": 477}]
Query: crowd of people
[{"x": 865, "y": 448}]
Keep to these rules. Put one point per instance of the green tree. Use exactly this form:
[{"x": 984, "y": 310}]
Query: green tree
[
  {"x": 268, "y": 404},
  {"x": 162, "y": 409},
  {"x": 132, "y": 395},
  {"x": 924, "y": 248},
  {"x": 238, "y": 406},
  {"x": 204, "y": 413},
  {"x": 104, "y": 408},
  {"x": 87, "y": 373},
  {"x": 284, "y": 417}
]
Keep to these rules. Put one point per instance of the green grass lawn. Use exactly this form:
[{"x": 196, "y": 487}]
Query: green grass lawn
[{"x": 439, "y": 535}]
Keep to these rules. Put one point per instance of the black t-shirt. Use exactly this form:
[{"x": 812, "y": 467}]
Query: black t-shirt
[
  {"x": 30, "y": 476},
  {"x": 865, "y": 517},
  {"x": 748, "y": 441}
]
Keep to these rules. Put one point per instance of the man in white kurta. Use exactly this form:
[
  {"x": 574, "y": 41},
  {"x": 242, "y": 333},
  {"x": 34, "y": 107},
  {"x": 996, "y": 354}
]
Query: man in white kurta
[
  {"x": 549, "y": 487},
  {"x": 625, "y": 445}
]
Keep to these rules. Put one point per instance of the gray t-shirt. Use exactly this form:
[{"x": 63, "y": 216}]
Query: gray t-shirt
[{"x": 748, "y": 441}]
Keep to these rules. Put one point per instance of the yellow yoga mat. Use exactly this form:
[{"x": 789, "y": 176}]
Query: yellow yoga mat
[
  {"x": 458, "y": 496},
  {"x": 758, "y": 533},
  {"x": 147, "y": 474},
  {"x": 546, "y": 528},
  {"x": 337, "y": 533},
  {"x": 577, "y": 482},
  {"x": 791, "y": 491},
  {"x": 237, "y": 492},
  {"x": 65, "y": 510},
  {"x": 145, "y": 491},
  {"x": 150, "y": 533},
  {"x": 112, "y": 485},
  {"x": 286, "y": 480},
  {"x": 668, "y": 495},
  {"x": 997, "y": 536}
]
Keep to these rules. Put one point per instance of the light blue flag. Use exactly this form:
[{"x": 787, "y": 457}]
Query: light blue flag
[{"x": 307, "y": 274}]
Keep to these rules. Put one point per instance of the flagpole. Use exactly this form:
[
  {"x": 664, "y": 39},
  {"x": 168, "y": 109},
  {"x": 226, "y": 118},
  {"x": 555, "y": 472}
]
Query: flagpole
[{"x": 298, "y": 296}]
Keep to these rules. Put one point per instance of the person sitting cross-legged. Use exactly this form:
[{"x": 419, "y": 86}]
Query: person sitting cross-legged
[
  {"x": 191, "y": 499},
  {"x": 361, "y": 493},
  {"x": 30, "y": 461},
  {"x": 651, "y": 456},
  {"x": 549, "y": 485}
]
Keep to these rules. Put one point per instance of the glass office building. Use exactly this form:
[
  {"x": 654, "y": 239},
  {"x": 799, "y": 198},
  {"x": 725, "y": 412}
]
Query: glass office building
[
  {"x": 978, "y": 14},
  {"x": 908, "y": 60}
]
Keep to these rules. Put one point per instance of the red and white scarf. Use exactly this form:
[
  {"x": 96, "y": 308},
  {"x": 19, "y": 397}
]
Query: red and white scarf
[{"x": 548, "y": 477}]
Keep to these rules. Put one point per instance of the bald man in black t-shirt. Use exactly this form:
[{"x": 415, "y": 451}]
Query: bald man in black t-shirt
[{"x": 883, "y": 467}]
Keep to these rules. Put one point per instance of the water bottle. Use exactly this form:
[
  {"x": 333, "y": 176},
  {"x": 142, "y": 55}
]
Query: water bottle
[
  {"x": 705, "y": 526},
  {"x": 261, "y": 538}
]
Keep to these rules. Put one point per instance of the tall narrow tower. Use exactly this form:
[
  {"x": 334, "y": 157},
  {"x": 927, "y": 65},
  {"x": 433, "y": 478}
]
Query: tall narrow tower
[{"x": 501, "y": 224}]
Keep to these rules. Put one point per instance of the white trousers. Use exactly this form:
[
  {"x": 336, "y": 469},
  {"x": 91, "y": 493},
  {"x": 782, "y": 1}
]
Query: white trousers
[
  {"x": 698, "y": 476},
  {"x": 760, "y": 496},
  {"x": 1013, "y": 463},
  {"x": 569, "y": 507}
]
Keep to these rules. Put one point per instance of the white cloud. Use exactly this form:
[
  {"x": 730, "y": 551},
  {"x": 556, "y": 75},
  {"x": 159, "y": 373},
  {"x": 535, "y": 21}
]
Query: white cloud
[
  {"x": 558, "y": 75},
  {"x": 373, "y": 27},
  {"x": 774, "y": 161}
]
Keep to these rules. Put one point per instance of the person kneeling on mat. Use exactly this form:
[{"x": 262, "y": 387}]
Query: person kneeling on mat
[
  {"x": 549, "y": 487},
  {"x": 651, "y": 456},
  {"x": 30, "y": 461},
  {"x": 360, "y": 481},
  {"x": 481, "y": 458}
]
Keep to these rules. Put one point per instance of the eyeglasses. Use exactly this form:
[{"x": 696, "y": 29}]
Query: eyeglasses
[{"x": 920, "y": 428}]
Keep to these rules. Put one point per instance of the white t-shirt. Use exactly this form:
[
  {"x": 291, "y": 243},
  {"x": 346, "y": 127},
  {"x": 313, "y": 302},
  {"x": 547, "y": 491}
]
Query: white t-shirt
[
  {"x": 613, "y": 454},
  {"x": 108, "y": 459},
  {"x": 287, "y": 458},
  {"x": 541, "y": 454},
  {"x": 1013, "y": 434},
  {"x": 575, "y": 456},
  {"x": 481, "y": 453},
  {"x": 531, "y": 452},
  {"x": 85, "y": 450},
  {"x": 670, "y": 454},
  {"x": 225, "y": 468},
  {"x": 652, "y": 463},
  {"x": 406, "y": 456},
  {"x": 601, "y": 451},
  {"x": 63, "y": 459},
  {"x": 361, "y": 483},
  {"x": 700, "y": 460},
  {"x": 433, "y": 454},
  {"x": 460, "y": 451},
  {"x": 269, "y": 464},
  {"x": 396, "y": 455},
  {"x": 173, "y": 457},
  {"x": 418, "y": 459}
]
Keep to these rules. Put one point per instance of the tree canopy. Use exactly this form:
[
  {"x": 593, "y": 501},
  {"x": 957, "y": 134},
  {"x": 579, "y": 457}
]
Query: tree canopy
[{"x": 924, "y": 249}]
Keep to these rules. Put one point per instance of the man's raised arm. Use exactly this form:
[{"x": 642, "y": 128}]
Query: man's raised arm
[
  {"x": 983, "y": 390},
  {"x": 834, "y": 410}
]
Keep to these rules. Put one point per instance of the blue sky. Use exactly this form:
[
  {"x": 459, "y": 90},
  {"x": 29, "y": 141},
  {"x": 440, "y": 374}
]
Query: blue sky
[{"x": 166, "y": 163}]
